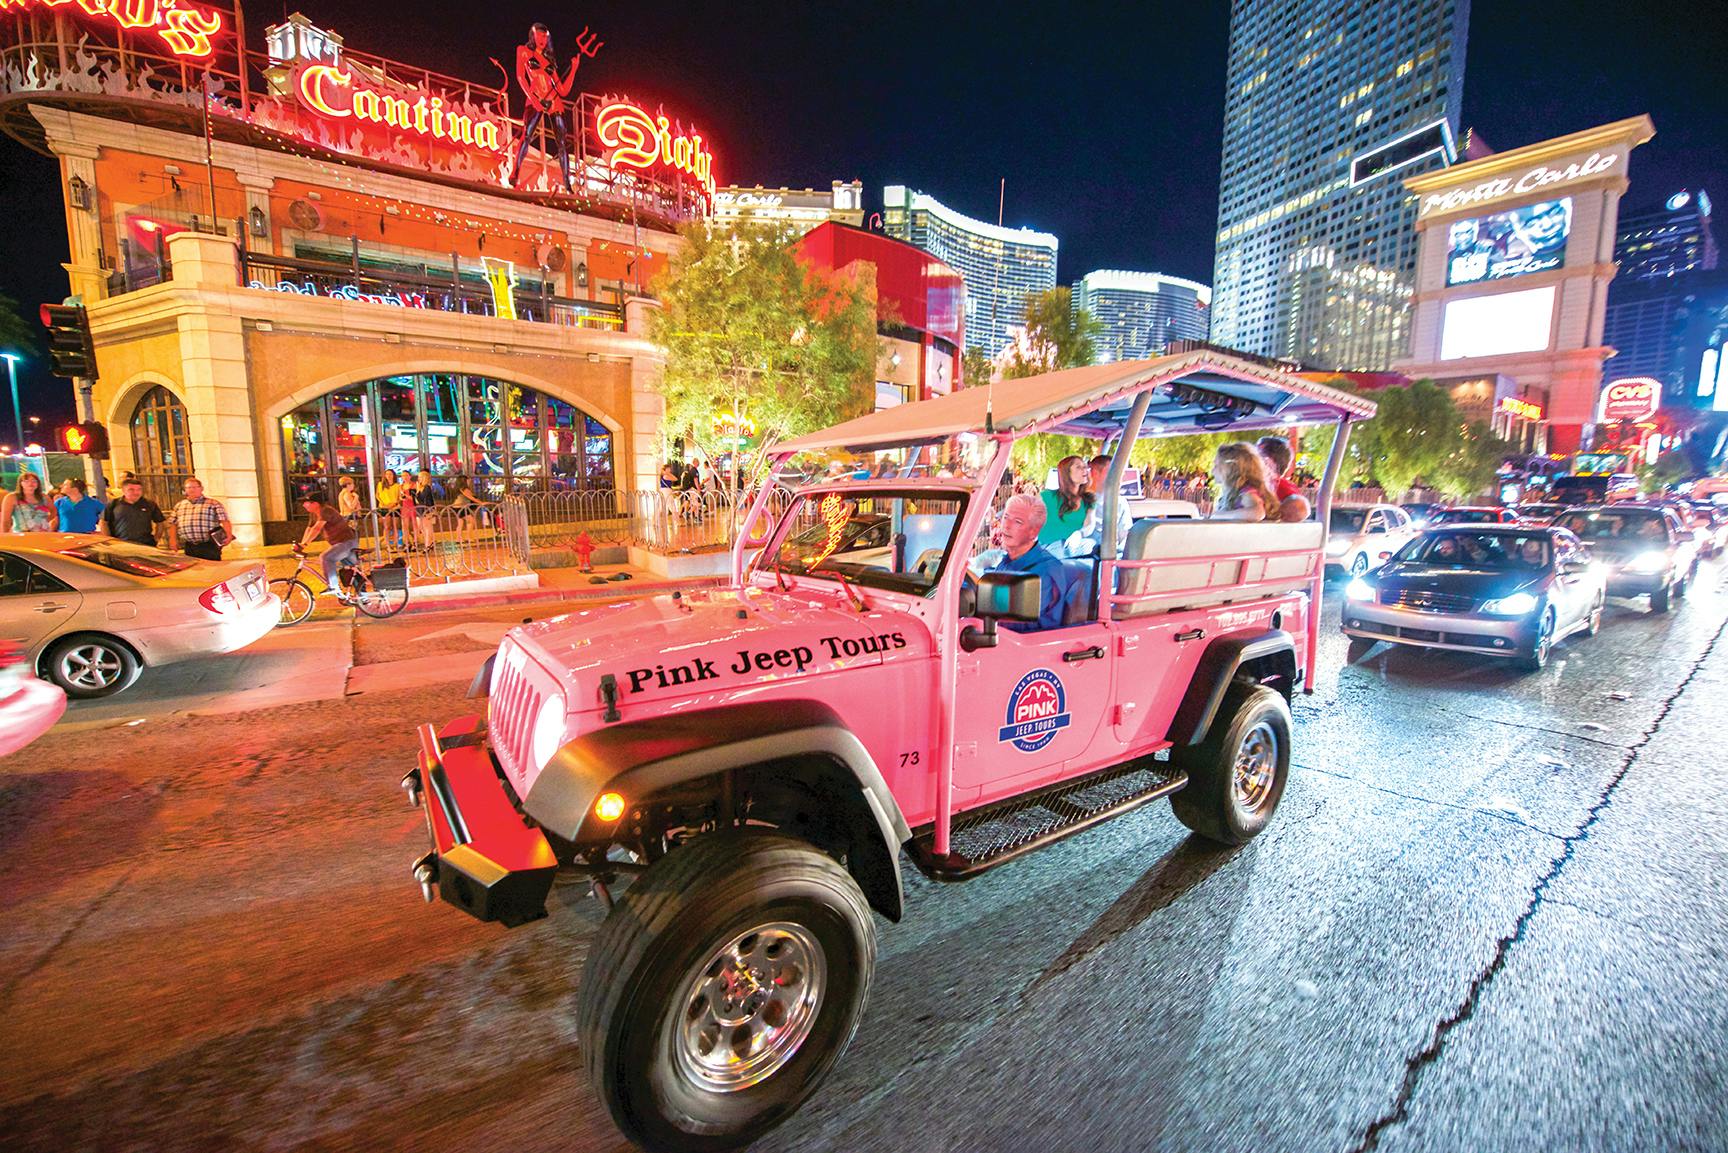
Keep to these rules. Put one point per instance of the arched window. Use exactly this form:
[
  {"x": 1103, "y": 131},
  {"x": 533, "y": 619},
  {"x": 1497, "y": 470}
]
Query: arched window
[{"x": 161, "y": 444}]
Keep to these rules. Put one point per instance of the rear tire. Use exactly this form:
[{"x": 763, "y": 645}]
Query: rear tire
[
  {"x": 1236, "y": 774},
  {"x": 376, "y": 602},
  {"x": 655, "y": 1017},
  {"x": 297, "y": 600},
  {"x": 88, "y": 666}
]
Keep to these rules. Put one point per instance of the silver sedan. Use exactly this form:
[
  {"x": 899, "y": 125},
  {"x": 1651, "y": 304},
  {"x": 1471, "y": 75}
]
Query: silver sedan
[{"x": 92, "y": 611}]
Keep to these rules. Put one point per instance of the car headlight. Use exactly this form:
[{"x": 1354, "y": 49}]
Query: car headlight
[
  {"x": 1648, "y": 563},
  {"x": 1515, "y": 605},
  {"x": 1359, "y": 590},
  {"x": 548, "y": 730},
  {"x": 1338, "y": 546}
]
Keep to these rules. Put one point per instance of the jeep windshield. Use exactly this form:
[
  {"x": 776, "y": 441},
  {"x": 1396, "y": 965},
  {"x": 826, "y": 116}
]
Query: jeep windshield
[{"x": 897, "y": 540}]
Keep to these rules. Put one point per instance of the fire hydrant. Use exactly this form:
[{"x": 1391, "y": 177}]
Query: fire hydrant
[{"x": 584, "y": 549}]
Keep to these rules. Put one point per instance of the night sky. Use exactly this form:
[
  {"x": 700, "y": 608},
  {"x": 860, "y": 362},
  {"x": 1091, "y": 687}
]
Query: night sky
[{"x": 1105, "y": 119}]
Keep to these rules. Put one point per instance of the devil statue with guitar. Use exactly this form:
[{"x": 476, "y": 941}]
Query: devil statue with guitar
[{"x": 545, "y": 93}]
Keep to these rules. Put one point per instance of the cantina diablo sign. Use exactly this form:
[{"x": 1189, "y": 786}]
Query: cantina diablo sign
[
  {"x": 332, "y": 92},
  {"x": 638, "y": 140},
  {"x": 187, "y": 31}
]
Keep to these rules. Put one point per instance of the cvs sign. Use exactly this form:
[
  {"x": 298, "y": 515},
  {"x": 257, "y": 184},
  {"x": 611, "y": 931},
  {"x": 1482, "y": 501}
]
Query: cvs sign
[{"x": 1631, "y": 398}]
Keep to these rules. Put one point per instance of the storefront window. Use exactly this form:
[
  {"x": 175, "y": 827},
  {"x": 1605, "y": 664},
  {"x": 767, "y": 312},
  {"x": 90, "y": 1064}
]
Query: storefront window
[
  {"x": 398, "y": 426},
  {"x": 503, "y": 437},
  {"x": 303, "y": 451},
  {"x": 349, "y": 436}
]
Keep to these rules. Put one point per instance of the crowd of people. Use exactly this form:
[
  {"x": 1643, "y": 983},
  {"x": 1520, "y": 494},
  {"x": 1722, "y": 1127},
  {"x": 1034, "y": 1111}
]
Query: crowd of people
[{"x": 197, "y": 525}]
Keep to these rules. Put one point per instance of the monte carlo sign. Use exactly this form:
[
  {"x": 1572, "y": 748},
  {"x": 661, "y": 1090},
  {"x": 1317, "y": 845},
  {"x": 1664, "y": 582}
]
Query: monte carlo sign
[{"x": 1537, "y": 178}]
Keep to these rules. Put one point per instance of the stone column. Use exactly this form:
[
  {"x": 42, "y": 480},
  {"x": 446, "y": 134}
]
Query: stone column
[
  {"x": 216, "y": 384},
  {"x": 647, "y": 406},
  {"x": 88, "y": 278}
]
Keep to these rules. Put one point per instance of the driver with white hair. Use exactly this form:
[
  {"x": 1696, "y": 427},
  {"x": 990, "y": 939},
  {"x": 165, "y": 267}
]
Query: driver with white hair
[{"x": 1017, "y": 531}]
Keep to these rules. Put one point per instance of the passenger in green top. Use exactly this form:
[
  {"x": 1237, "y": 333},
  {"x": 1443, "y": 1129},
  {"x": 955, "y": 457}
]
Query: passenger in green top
[{"x": 1067, "y": 504}]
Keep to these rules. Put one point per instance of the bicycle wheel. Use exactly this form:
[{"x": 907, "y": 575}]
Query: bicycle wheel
[
  {"x": 296, "y": 597},
  {"x": 377, "y": 602}
]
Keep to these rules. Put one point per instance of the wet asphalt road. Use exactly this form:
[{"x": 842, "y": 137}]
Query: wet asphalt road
[{"x": 1489, "y": 915}]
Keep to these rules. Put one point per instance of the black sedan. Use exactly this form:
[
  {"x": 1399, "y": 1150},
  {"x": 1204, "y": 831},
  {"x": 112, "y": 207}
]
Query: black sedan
[{"x": 1505, "y": 590}]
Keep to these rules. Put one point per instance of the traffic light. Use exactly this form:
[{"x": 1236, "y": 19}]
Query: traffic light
[
  {"x": 69, "y": 346},
  {"x": 84, "y": 439}
]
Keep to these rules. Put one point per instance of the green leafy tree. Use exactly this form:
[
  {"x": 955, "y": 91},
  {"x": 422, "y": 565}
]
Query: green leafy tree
[
  {"x": 750, "y": 331},
  {"x": 1415, "y": 430},
  {"x": 1057, "y": 336},
  {"x": 977, "y": 368},
  {"x": 16, "y": 333},
  {"x": 1470, "y": 468}
]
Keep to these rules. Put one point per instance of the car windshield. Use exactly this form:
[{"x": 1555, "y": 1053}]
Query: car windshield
[
  {"x": 1629, "y": 524},
  {"x": 879, "y": 539},
  {"x": 1500, "y": 551},
  {"x": 1348, "y": 519},
  {"x": 132, "y": 559},
  {"x": 1465, "y": 516}
]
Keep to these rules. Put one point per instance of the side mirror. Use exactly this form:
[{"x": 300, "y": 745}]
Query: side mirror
[
  {"x": 1007, "y": 596},
  {"x": 1574, "y": 567}
]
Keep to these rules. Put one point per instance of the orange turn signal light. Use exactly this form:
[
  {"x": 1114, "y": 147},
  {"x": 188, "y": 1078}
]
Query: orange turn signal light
[{"x": 609, "y": 807}]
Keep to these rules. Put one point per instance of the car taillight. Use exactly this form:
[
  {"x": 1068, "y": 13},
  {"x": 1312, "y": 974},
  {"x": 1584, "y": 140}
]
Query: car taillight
[{"x": 219, "y": 600}]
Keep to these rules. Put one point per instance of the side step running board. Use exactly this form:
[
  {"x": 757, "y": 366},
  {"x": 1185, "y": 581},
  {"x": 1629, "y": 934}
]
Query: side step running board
[{"x": 986, "y": 837}]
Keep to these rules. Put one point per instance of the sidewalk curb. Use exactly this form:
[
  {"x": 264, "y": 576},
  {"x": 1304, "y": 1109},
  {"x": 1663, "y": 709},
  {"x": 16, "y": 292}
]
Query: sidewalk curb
[{"x": 612, "y": 590}]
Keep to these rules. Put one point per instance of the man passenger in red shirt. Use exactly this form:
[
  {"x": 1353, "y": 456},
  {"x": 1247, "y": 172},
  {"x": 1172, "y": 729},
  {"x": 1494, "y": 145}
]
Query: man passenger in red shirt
[{"x": 1292, "y": 505}]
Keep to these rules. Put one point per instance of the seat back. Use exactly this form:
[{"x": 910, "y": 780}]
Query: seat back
[
  {"x": 1288, "y": 555},
  {"x": 1076, "y": 592}
]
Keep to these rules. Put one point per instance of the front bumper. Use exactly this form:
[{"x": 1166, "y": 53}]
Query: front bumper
[
  {"x": 486, "y": 858},
  {"x": 1625, "y": 583},
  {"x": 1462, "y": 632}
]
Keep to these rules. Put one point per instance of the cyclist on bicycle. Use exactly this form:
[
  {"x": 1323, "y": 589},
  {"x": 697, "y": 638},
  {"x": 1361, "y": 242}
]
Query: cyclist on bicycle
[{"x": 328, "y": 522}]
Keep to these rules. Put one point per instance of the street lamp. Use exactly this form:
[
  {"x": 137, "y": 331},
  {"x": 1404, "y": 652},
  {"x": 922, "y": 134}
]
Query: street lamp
[{"x": 12, "y": 359}]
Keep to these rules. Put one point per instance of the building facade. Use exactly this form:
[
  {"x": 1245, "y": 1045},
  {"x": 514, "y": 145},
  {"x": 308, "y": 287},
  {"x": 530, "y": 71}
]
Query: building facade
[
  {"x": 1142, "y": 312},
  {"x": 340, "y": 276},
  {"x": 919, "y": 308},
  {"x": 1670, "y": 239},
  {"x": 1515, "y": 259},
  {"x": 1328, "y": 106},
  {"x": 1002, "y": 267},
  {"x": 797, "y": 209}
]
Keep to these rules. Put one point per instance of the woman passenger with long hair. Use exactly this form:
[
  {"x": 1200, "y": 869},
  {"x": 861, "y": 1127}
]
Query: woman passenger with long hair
[
  {"x": 1244, "y": 492},
  {"x": 1066, "y": 505}
]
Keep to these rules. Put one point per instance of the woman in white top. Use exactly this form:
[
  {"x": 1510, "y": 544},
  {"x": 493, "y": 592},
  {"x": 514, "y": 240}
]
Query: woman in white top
[{"x": 1239, "y": 475}]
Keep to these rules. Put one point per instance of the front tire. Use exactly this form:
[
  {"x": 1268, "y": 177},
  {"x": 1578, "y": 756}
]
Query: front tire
[
  {"x": 1660, "y": 600},
  {"x": 1359, "y": 566},
  {"x": 88, "y": 667},
  {"x": 1236, "y": 774},
  {"x": 296, "y": 599},
  {"x": 723, "y": 987},
  {"x": 1540, "y": 649}
]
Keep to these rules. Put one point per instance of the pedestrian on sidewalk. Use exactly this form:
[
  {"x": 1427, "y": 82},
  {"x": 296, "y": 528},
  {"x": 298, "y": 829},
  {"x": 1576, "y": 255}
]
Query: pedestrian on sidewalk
[
  {"x": 426, "y": 495},
  {"x": 132, "y": 516},
  {"x": 348, "y": 499},
  {"x": 408, "y": 531},
  {"x": 389, "y": 496},
  {"x": 77, "y": 509},
  {"x": 199, "y": 526},
  {"x": 26, "y": 508}
]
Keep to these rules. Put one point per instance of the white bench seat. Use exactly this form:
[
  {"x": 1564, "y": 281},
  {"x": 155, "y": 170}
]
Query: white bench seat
[{"x": 1275, "y": 558}]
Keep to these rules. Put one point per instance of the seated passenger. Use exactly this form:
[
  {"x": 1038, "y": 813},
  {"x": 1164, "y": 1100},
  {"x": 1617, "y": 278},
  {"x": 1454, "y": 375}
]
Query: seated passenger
[
  {"x": 1240, "y": 478},
  {"x": 1066, "y": 505},
  {"x": 1531, "y": 554},
  {"x": 1089, "y": 541},
  {"x": 1017, "y": 532},
  {"x": 1293, "y": 507}
]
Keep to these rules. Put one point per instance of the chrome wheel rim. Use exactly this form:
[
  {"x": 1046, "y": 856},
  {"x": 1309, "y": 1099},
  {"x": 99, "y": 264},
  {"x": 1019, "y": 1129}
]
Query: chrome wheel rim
[
  {"x": 1256, "y": 767},
  {"x": 746, "y": 1012},
  {"x": 91, "y": 666},
  {"x": 1544, "y": 639}
]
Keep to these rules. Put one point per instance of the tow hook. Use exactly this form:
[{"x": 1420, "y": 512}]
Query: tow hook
[
  {"x": 411, "y": 786},
  {"x": 426, "y": 872}
]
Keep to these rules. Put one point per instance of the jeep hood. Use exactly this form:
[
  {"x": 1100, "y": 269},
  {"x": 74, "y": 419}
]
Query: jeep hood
[{"x": 666, "y": 647}]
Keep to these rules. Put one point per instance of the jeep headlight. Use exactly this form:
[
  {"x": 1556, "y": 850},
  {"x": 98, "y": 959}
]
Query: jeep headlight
[
  {"x": 1359, "y": 590},
  {"x": 1648, "y": 563},
  {"x": 1515, "y": 605},
  {"x": 548, "y": 733}
]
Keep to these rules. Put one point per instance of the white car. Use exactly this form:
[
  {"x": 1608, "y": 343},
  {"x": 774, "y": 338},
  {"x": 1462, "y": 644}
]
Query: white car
[
  {"x": 91, "y": 611},
  {"x": 28, "y": 707},
  {"x": 1364, "y": 536}
]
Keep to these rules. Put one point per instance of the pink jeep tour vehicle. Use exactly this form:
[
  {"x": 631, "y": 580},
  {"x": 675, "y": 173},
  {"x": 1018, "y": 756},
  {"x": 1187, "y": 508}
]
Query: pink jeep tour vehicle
[{"x": 896, "y": 674}]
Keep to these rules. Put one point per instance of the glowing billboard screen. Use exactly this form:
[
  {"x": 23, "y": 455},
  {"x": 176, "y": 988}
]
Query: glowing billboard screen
[
  {"x": 1531, "y": 238},
  {"x": 1497, "y": 325}
]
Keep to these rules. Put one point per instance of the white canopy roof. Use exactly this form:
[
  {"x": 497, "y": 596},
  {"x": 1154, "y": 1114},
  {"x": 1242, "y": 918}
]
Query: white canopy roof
[{"x": 1200, "y": 391}]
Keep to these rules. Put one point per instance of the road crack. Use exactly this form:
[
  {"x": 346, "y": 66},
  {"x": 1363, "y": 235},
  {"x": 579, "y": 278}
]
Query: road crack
[
  {"x": 1417, "y": 1064},
  {"x": 1498, "y": 814},
  {"x": 78, "y": 922}
]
